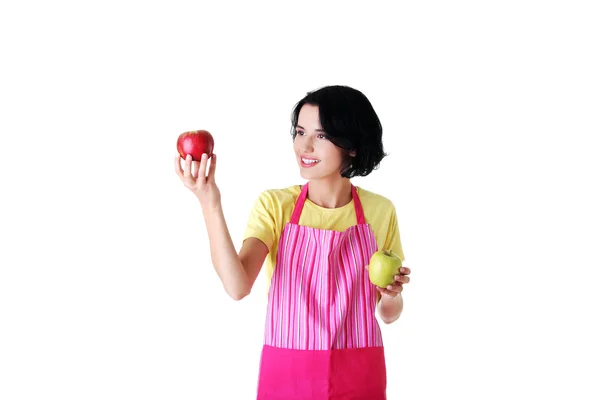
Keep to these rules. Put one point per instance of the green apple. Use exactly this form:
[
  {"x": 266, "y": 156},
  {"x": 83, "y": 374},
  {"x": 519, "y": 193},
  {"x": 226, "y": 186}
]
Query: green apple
[{"x": 384, "y": 264}]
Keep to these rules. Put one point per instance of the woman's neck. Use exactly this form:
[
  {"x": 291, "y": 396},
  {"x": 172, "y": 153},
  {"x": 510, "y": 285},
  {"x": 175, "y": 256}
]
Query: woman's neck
[{"x": 330, "y": 193}]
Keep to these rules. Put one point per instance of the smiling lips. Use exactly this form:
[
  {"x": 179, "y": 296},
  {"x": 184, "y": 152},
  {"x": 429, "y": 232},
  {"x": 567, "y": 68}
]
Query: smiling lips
[{"x": 309, "y": 162}]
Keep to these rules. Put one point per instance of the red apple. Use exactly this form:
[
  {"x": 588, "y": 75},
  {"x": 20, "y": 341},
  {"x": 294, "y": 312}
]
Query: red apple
[{"x": 195, "y": 143}]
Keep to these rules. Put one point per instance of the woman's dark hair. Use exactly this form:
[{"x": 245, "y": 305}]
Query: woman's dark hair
[{"x": 349, "y": 122}]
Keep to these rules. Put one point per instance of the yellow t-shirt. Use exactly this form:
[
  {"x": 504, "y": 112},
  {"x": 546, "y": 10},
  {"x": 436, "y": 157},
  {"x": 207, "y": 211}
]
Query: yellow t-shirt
[{"x": 273, "y": 210}]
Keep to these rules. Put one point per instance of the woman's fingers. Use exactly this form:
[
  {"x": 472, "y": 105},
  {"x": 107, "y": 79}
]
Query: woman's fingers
[
  {"x": 396, "y": 287},
  {"x": 178, "y": 169},
  {"x": 212, "y": 168},
  {"x": 202, "y": 168},
  {"x": 187, "y": 169},
  {"x": 195, "y": 168},
  {"x": 391, "y": 290},
  {"x": 387, "y": 292}
]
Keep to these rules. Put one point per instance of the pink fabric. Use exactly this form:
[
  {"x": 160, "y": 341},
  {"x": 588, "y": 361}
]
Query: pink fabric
[
  {"x": 347, "y": 374},
  {"x": 322, "y": 340}
]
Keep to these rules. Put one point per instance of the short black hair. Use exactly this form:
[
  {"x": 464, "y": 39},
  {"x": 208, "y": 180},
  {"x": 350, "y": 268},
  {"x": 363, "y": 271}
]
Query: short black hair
[{"x": 350, "y": 122}]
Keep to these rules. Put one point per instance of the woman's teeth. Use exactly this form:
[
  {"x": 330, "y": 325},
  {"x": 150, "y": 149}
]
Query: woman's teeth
[{"x": 307, "y": 161}]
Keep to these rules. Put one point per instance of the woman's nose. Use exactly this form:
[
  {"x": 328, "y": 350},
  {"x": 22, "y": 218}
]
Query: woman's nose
[{"x": 306, "y": 145}]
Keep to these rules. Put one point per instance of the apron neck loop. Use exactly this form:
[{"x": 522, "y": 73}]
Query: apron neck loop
[
  {"x": 360, "y": 215},
  {"x": 299, "y": 204}
]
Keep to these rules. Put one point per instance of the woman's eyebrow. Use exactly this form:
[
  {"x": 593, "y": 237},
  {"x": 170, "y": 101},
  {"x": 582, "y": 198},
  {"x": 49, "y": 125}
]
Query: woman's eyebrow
[{"x": 318, "y": 130}]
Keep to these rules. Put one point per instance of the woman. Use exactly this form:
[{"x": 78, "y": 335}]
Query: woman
[{"x": 322, "y": 339}]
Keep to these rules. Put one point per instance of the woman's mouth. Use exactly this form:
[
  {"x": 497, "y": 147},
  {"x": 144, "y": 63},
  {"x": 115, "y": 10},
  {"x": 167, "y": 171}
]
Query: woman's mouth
[{"x": 309, "y": 162}]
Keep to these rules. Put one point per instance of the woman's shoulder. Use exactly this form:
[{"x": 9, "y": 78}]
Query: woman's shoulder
[
  {"x": 372, "y": 199},
  {"x": 281, "y": 196}
]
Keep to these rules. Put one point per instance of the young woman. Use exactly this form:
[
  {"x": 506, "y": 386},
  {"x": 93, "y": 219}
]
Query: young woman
[{"x": 322, "y": 339}]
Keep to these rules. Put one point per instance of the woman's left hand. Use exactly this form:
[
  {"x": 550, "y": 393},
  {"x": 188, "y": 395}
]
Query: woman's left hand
[{"x": 400, "y": 279}]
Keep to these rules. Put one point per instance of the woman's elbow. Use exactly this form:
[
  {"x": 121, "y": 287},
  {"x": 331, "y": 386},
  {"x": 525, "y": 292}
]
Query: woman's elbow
[
  {"x": 389, "y": 320},
  {"x": 238, "y": 294}
]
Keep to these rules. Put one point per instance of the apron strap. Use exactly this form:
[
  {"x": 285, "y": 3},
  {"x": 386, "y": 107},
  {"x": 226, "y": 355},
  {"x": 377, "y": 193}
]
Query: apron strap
[
  {"x": 299, "y": 204},
  {"x": 360, "y": 215}
]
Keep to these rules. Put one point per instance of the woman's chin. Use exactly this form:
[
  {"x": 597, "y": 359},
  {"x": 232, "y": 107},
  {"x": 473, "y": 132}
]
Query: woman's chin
[{"x": 306, "y": 174}]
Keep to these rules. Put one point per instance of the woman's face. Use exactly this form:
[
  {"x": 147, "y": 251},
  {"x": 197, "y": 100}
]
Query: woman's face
[{"x": 317, "y": 157}]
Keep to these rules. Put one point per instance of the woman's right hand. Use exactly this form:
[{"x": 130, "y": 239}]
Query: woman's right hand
[{"x": 195, "y": 178}]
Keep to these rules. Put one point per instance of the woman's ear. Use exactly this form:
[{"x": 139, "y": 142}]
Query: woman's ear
[{"x": 352, "y": 153}]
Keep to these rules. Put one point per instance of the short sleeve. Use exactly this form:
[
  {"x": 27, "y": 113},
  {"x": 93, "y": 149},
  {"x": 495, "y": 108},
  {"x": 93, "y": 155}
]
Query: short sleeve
[
  {"x": 392, "y": 239},
  {"x": 261, "y": 222}
]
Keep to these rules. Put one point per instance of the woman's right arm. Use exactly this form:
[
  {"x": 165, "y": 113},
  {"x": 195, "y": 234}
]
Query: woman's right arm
[{"x": 237, "y": 272}]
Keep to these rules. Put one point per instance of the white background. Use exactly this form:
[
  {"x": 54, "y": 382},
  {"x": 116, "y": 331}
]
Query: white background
[{"x": 489, "y": 112}]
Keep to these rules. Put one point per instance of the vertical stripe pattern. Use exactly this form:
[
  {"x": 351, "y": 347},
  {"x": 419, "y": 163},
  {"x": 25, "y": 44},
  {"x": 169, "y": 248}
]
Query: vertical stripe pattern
[{"x": 320, "y": 296}]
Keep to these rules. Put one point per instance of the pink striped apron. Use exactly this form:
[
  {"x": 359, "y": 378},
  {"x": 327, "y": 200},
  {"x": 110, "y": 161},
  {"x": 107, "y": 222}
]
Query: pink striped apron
[{"x": 322, "y": 340}]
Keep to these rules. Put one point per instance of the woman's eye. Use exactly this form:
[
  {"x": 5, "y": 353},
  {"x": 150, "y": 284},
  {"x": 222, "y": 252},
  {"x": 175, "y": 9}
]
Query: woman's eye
[{"x": 320, "y": 136}]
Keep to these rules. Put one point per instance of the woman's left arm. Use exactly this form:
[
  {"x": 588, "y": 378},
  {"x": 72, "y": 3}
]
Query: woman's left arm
[{"x": 391, "y": 304}]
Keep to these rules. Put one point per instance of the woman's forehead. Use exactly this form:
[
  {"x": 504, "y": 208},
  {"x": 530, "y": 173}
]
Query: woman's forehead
[{"x": 309, "y": 117}]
